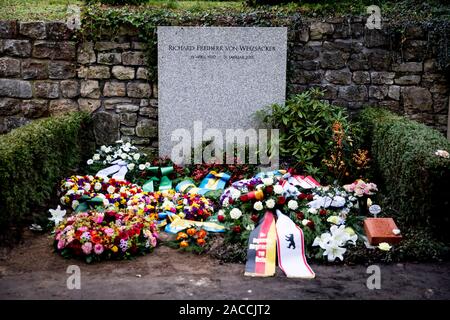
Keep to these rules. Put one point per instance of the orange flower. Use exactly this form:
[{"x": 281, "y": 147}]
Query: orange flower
[
  {"x": 201, "y": 242},
  {"x": 184, "y": 244},
  {"x": 181, "y": 235},
  {"x": 201, "y": 234},
  {"x": 191, "y": 231}
]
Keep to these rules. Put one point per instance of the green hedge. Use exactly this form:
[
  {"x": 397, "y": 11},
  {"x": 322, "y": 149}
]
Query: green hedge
[
  {"x": 415, "y": 181},
  {"x": 33, "y": 159}
]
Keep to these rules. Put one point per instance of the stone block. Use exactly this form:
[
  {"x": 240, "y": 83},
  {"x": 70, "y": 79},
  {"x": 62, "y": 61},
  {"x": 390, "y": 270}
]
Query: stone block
[
  {"x": 417, "y": 98},
  {"x": 382, "y": 77},
  {"x": 320, "y": 30},
  {"x": 361, "y": 77},
  {"x": 62, "y": 50},
  {"x": 139, "y": 90},
  {"x": 17, "y": 48},
  {"x": 86, "y": 53},
  {"x": 128, "y": 119},
  {"x": 123, "y": 73},
  {"x": 353, "y": 93},
  {"x": 378, "y": 92},
  {"x": 9, "y": 67},
  {"x": 58, "y": 30},
  {"x": 46, "y": 89},
  {"x": 34, "y": 108},
  {"x": 34, "y": 69},
  {"x": 62, "y": 106},
  {"x": 106, "y": 127},
  {"x": 90, "y": 89},
  {"x": 133, "y": 58},
  {"x": 9, "y": 107},
  {"x": 338, "y": 76},
  {"x": 108, "y": 45},
  {"x": 94, "y": 72},
  {"x": 127, "y": 108},
  {"x": 407, "y": 80},
  {"x": 8, "y": 28},
  {"x": 15, "y": 88},
  {"x": 114, "y": 89},
  {"x": 89, "y": 105},
  {"x": 334, "y": 59},
  {"x": 70, "y": 88},
  {"x": 109, "y": 58},
  {"x": 34, "y": 30},
  {"x": 147, "y": 128},
  {"x": 61, "y": 70}
]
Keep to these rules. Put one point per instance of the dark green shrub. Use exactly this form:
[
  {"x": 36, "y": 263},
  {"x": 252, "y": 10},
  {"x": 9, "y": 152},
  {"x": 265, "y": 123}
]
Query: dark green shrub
[
  {"x": 315, "y": 136},
  {"x": 416, "y": 181},
  {"x": 33, "y": 159}
]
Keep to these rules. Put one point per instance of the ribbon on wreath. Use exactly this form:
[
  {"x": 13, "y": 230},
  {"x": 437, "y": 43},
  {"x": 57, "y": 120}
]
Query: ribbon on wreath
[
  {"x": 262, "y": 248},
  {"x": 119, "y": 169},
  {"x": 212, "y": 182},
  {"x": 159, "y": 174},
  {"x": 87, "y": 202},
  {"x": 291, "y": 249}
]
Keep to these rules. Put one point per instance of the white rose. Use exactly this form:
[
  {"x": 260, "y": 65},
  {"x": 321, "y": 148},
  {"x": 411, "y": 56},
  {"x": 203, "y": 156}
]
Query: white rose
[
  {"x": 312, "y": 210},
  {"x": 87, "y": 187},
  {"x": 123, "y": 156},
  {"x": 75, "y": 204},
  {"x": 96, "y": 157},
  {"x": 108, "y": 159},
  {"x": 278, "y": 189},
  {"x": 225, "y": 203},
  {"x": 136, "y": 156},
  {"x": 103, "y": 148},
  {"x": 258, "y": 206},
  {"x": 270, "y": 203},
  {"x": 292, "y": 204},
  {"x": 111, "y": 189},
  {"x": 126, "y": 149},
  {"x": 130, "y": 166},
  {"x": 90, "y": 161},
  {"x": 267, "y": 181},
  {"x": 235, "y": 193},
  {"x": 220, "y": 213},
  {"x": 235, "y": 213},
  {"x": 142, "y": 166},
  {"x": 148, "y": 165},
  {"x": 105, "y": 202},
  {"x": 305, "y": 222}
]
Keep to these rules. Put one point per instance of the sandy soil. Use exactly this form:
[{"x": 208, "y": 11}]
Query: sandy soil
[{"x": 33, "y": 271}]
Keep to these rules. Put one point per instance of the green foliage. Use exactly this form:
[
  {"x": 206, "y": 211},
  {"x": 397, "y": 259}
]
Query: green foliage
[
  {"x": 118, "y": 2},
  {"x": 34, "y": 158},
  {"x": 311, "y": 128},
  {"x": 416, "y": 181}
]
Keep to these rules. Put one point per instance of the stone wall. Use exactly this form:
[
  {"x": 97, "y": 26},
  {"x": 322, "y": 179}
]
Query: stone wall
[
  {"x": 358, "y": 67},
  {"x": 44, "y": 72}
]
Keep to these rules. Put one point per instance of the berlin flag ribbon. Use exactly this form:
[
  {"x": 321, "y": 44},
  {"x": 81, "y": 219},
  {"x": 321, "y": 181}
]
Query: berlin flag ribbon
[{"x": 291, "y": 249}]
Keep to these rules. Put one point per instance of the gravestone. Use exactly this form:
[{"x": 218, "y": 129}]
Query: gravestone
[{"x": 217, "y": 75}]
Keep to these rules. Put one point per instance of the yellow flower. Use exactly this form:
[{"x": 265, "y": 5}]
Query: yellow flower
[
  {"x": 114, "y": 249},
  {"x": 116, "y": 204},
  {"x": 333, "y": 219},
  {"x": 349, "y": 231},
  {"x": 369, "y": 202},
  {"x": 384, "y": 246}
]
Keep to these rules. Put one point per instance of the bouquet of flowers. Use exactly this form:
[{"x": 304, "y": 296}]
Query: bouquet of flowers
[
  {"x": 95, "y": 235},
  {"x": 109, "y": 192},
  {"x": 123, "y": 151},
  {"x": 193, "y": 240}
]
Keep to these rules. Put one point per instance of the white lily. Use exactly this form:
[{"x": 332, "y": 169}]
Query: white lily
[
  {"x": 57, "y": 215},
  {"x": 333, "y": 251}
]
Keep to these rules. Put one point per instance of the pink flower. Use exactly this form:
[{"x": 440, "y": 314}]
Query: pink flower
[
  {"x": 153, "y": 241},
  {"x": 98, "y": 248},
  {"x": 83, "y": 228},
  {"x": 61, "y": 244},
  {"x": 109, "y": 232},
  {"x": 87, "y": 248},
  {"x": 58, "y": 236},
  {"x": 99, "y": 218}
]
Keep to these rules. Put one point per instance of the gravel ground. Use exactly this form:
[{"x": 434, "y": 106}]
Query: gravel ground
[{"x": 32, "y": 271}]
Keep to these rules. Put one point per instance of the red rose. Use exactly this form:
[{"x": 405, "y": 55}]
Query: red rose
[
  {"x": 302, "y": 196},
  {"x": 254, "y": 218},
  {"x": 269, "y": 189},
  {"x": 311, "y": 224},
  {"x": 221, "y": 218},
  {"x": 300, "y": 216},
  {"x": 281, "y": 200},
  {"x": 237, "y": 229},
  {"x": 323, "y": 212},
  {"x": 309, "y": 197}
]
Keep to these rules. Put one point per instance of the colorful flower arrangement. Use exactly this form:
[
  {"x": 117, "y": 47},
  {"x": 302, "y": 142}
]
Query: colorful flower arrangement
[
  {"x": 96, "y": 235},
  {"x": 193, "y": 239},
  {"x": 359, "y": 188},
  {"x": 328, "y": 216},
  {"x": 109, "y": 192}
]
